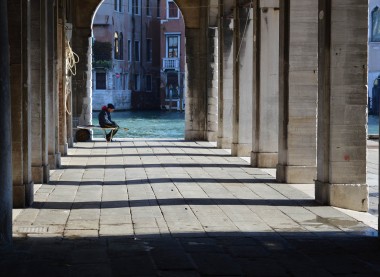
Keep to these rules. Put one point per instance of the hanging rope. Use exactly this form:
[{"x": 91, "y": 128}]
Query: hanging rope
[{"x": 71, "y": 60}]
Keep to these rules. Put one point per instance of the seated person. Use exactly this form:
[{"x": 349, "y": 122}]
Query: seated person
[{"x": 105, "y": 120}]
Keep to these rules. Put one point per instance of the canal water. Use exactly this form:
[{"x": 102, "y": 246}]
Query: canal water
[
  {"x": 373, "y": 124},
  {"x": 146, "y": 124},
  {"x": 164, "y": 124}
]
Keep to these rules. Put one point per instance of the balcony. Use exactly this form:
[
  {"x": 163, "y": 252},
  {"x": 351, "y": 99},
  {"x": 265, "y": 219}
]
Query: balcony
[{"x": 170, "y": 64}]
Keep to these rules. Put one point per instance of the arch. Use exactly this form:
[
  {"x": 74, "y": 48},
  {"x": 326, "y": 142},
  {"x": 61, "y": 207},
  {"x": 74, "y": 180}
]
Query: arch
[{"x": 375, "y": 32}]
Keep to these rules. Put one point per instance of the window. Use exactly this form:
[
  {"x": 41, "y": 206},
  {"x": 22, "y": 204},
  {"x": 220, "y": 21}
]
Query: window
[
  {"x": 172, "y": 46},
  {"x": 172, "y": 10},
  {"x": 137, "y": 82},
  {"x": 158, "y": 8},
  {"x": 101, "y": 80},
  {"x": 136, "y": 6},
  {"x": 118, "y": 5},
  {"x": 375, "y": 37},
  {"x": 148, "y": 84},
  {"x": 149, "y": 50},
  {"x": 148, "y": 8},
  {"x": 129, "y": 50},
  {"x": 121, "y": 47},
  {"x": 137, "y": 51},
  {"x": 116, "y": 46},
  {"x": 129, "y": 6}
]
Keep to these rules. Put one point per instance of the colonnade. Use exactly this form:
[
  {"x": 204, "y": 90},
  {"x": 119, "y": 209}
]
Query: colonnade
[
  {"x": 280, "y": 81},
  {"x": 291, "y": 92}
]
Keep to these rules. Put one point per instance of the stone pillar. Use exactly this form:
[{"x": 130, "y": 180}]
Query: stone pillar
[
  {"x": 40, "y": 167},
  {"x": 212, "y": 92},
  {"x": 19, "y": 41},
  {"x": 342, "y": 104},
  {"x": 243, "y": 85},
  {"x": 225, "y": 86},
  {"x": 298, "y": 91},
  {"x": 52, "y": 97},
  {"x": 5, "y": 138},
  {"x": 82, "y": 81},
  {"x": 61, "y": 80},
  {"x": 265, "y": 138},
  {"x": 196, "y": 91}
]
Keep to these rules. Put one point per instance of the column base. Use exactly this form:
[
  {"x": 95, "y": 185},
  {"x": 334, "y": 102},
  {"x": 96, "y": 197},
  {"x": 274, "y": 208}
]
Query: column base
[
  {"x": 241, "y": 149},
  {"x": 346, "y": 196},
  {"x": 264, "y": 160},
  {"x": 55, "y": 160},
  {"x": 296, "y": 174},
  {"x": 212, "y": 136},
  {"x": 23, "y": 195},
  {"x": 223, "y": 143},
  {"x": 63, "y": 149},
  {"x": 41, "y": 174},
  {"x": 194, "y": 135}
]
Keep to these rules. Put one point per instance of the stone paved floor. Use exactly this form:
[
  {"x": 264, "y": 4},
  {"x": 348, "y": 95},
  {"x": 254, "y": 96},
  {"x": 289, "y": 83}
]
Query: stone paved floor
[{"x": 174, "y": 208}]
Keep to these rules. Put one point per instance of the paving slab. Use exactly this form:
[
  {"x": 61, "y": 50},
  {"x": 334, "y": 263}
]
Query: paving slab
[{"x": 178, "y": 208}]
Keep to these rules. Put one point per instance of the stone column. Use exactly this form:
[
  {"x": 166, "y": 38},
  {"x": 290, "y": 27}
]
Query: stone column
[
  {"x": 19, "y": 42},
  {"x": 61, "y": 81},
  {"x": 40, "y": 167},
  {"x": 81, "y": 82},
  {"x": 52, "y": 88},
  {"x": 225, "y": 86},
  {"x": 298, "y": 91},
  {"x": 243, "y": 85},
  {"x": 196, "y": 91},
  {"x": 342, "y": 104},
  {"x": 212, "y": 92},
  {"x": 266, "y": 96},
  {"x": 5, "y": 138}
]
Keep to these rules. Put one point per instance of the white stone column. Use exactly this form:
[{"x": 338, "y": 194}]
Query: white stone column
[
  {"x": 266, "y": 98},
  {"x": 243, "y": 85},
  {"x": 298, "y": 91},
  {"x": 213, "y": 82},
  {"x": 342, "y": 104},
  {"x": 225, "y": 94},
  {"x": 61, "y": 81}
]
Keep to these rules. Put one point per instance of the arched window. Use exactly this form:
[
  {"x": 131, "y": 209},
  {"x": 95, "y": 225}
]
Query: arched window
[
  {"x": 375, "y": 25},
  {"x": 115, "y": 5},
  {"x": 121, "y": 47},
  {"x": 116, "y": 49}
]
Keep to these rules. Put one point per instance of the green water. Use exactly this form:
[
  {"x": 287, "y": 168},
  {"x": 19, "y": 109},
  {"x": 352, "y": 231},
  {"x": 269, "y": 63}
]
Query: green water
[
  {"x": 146, "y": 124},
  {"x": 373, "y": 125}
]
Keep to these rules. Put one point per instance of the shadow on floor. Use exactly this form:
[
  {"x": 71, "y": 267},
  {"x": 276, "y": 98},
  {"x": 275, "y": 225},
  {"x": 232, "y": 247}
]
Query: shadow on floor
[{"x": 192, "y": 254}]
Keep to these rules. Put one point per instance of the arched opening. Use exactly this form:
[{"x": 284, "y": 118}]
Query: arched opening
[{"x": 148, "y": 86}]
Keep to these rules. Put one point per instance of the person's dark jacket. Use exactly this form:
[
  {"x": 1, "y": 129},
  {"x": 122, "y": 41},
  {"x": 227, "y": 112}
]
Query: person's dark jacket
[{"x": 105, "y": 118}]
